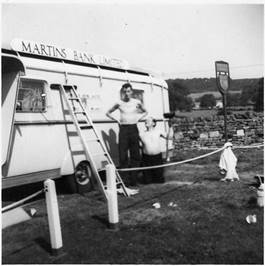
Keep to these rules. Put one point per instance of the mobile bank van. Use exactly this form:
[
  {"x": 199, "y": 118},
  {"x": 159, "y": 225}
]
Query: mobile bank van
[{"x": 36, "y": 144}]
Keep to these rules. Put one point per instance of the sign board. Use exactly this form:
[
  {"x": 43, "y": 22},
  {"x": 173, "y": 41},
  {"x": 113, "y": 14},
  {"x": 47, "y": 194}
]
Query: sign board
[
  {"x": 54, "y": 51},
  {"x": 222, "y": 66},
  {"x": 222, "y": 76},
  {"x": 224, "y": 82}
]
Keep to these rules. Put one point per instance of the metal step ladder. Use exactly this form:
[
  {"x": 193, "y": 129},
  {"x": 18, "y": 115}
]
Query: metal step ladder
[{"x": 88, "y": 134}]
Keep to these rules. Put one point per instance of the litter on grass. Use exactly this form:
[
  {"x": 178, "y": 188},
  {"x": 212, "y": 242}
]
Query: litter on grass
[
  {"x": 157, "y": 205},
  {"x": 251, "y": 219},
  {"x": 130, "y": 191},
  {"x": 32, "y": 212},
  {"x": 172, "y": 204}
]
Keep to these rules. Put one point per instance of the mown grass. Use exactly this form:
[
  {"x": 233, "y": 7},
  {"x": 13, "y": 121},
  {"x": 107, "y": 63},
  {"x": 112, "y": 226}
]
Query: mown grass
[{"x": 206, "y": 226}]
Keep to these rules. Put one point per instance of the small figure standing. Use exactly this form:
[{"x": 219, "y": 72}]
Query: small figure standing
[
  {"x": 227, "y": 163},
  {"x": 131, "y": 111},
  {"x": 152, "y": 154}
]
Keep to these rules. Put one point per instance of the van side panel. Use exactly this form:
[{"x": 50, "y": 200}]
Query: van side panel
[
  {"x": 37, "y": 148},
  {"x": 44, "y": 142},
  {"x": 9, "y": 89}
]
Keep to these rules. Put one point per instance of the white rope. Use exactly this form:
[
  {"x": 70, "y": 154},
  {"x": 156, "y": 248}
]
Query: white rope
[
  {"x": 170, "y": 164},
  {"x": 15, "y": 204},
  {"x": 234, "y": 147},
  {"x": 248, "y": 147}
]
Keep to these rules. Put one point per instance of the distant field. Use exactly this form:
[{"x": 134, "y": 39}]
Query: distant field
[
  {"x": 215, "y": 93},
  {"x": 200, "y": 113},
  {"x": 207, "y": 113}
]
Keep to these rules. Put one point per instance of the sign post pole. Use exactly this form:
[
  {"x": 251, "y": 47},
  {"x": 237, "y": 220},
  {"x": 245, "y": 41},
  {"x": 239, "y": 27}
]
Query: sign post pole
[
  {"x": 223, "y": 84},
  {"x": 225, "y": 114}
]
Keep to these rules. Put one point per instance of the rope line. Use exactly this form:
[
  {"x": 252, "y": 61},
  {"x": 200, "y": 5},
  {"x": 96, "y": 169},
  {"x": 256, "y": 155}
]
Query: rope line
[
  {"x": 170, "y": 164},
  {"x": 248, "y": 147},
  {"x": 235, "y": 147},
  {"x": 15, "y": 204}
]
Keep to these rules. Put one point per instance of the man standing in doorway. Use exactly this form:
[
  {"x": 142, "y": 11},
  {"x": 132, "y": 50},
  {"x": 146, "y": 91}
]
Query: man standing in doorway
[{"x": 131, "y": 111}]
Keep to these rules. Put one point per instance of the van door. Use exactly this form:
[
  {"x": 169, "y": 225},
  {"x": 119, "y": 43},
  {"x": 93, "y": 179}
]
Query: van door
[{"x": 12, "y": 68}]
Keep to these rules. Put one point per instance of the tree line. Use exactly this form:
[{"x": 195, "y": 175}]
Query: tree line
[{"x": 251, "y": 92}]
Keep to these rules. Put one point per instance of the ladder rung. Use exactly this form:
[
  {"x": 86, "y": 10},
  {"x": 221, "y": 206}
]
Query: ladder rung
[
  {"x": 86, "y": 127},
  {"x": 91, "y": 140},
  {"x": 78, "y": 152},
  {"x": 99, "y": 154},
  {"x": 69, "y": 87},
  {"x": 66, "y": 112},
  {"x": 73, "y": 99},
  {"x": 79, "y": 112},
  {"x": 72, "y": 133}
]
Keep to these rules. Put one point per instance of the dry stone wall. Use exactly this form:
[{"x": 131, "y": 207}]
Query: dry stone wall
[{"x": 242, "y": 129}]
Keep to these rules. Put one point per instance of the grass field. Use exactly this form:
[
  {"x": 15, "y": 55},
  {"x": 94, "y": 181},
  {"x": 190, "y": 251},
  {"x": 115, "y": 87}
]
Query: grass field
[{"x": 206, "y": 226}]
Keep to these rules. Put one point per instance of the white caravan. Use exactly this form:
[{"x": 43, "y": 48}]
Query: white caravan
[{"x": 35, "y": 140}]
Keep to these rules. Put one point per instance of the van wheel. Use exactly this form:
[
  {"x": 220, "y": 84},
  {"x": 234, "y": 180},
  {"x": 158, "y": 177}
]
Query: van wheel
[
  {"x": 82, "y": 179},
  {"x": 83, "y": 174}
]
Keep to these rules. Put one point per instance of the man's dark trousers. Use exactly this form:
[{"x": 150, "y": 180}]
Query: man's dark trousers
[{"x": 129, "y": 141}]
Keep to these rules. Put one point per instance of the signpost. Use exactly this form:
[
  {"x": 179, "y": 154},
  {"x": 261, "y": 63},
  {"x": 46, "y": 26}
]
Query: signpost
[{"x": 223, "y": 84}]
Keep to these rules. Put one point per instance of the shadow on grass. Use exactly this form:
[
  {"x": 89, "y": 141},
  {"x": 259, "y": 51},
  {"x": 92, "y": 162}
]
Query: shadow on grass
[
  {"x": 23, "y": 191},
  {"x": 43, "y": 244},
  {"x": 102, "y": 219},
  {"x": 17, "y": 193},
  {"x": 233, "y": 206},
  {"x": 252, "y": 203},
  {"x": 19, "y": 250},
  {"x": 214, "y": 179}
]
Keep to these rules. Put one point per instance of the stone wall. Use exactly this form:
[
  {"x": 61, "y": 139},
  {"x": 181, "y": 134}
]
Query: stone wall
[{"x": 242, "y": 129}]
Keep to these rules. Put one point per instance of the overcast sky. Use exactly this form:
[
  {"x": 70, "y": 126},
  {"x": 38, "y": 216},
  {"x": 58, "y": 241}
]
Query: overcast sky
[{"x": 174, "y": 40}]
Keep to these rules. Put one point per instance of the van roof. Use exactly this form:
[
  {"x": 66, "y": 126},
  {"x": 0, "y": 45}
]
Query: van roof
[
  {"x": 133, "y": 70},
  {"x": 26, "y": 59},
  {"x": 51, "y": 52},
  {"x": 30, "y": 50}
]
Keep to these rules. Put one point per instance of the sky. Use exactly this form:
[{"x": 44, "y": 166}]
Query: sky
[{"x": 169, "y": 38}]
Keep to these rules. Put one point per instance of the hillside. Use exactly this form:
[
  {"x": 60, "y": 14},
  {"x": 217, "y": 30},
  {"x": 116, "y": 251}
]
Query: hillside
[
  {"x": 217, "y": 95},
  {"x": 197, "y": 85}
]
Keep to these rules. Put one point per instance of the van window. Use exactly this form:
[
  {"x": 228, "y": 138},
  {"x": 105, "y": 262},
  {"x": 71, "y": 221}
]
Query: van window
[
  {"x": 31, "y": 96},
  {"x": 138, "y": 94}
]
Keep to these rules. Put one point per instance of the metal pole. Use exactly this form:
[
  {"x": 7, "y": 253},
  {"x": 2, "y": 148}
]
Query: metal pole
[
  {"x": 225, "y": 115},
  {"x": 167, "y": 141}
]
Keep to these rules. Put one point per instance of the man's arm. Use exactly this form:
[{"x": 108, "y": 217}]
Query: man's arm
[
  {"x": 111, "y": 110},
  {"x": 143, "y": 110},
  {"x": 166, "y": 137}
]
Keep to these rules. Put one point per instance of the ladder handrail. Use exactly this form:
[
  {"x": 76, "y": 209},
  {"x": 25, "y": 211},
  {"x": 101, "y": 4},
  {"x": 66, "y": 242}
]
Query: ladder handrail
[
  {"x": 82, "y": 140},
  {"x": 96, "y": 133},
  {"x": 89, "y": 122}
]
